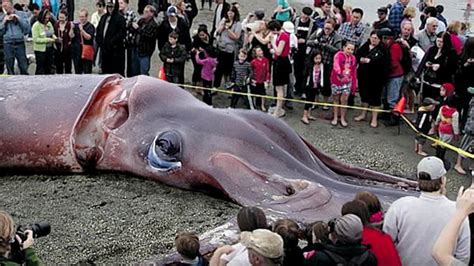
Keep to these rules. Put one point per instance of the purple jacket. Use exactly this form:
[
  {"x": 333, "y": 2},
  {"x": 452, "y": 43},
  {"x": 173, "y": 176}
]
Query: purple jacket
[{"x": 208, "y": 65}]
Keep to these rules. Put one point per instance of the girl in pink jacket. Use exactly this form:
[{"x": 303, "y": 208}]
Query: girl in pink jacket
[{"x": 343, "y": 81}]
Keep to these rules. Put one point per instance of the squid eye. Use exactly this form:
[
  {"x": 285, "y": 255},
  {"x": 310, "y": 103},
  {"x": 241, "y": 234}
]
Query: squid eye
[{"x": 165, "y": 152}]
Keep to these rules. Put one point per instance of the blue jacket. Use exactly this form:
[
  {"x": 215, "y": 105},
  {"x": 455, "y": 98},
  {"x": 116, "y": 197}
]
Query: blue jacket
[
  {"x": 14, "y": 31},
  {"x": 54, "y": 5}
]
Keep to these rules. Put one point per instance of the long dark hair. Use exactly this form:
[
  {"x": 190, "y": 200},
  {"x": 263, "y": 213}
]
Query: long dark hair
[
  {"x": 42, "y": 16},
  {"x": 251, "y": 218},
  {"x": 447, "y": 44},
  {"x": 236, "y": 14}
]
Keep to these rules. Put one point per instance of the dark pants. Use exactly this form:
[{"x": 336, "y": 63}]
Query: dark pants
[
  {"x": 259, "y": 89},
  {"x": 132, "y": 67},
  {"x": 236, "y": 97},
  {"x": 203, "y": 1},
  {"x": 207, "y": 94},
  {"x": 81, "y": 66},
  {"x": 310, "y": 97},
  {"x": 298, "y": 68},
  {"x": 16, "y": 51},
  {"x": 63, "y": 62},
  {"x": 225, "y": 63},
  {"x": 2, "y": 68},
  {"x": 44, "y": 61}
]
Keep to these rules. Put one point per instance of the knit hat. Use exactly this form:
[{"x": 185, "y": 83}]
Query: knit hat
[
  {"x": 431, "y": 165},
  {"x": 348, "y": 229},
  {"x": 307, "y": 11},
  {"x": 383, "y": 9},
  {"x": 449, "y": 87},
  {"x": 264, "y": 242}
]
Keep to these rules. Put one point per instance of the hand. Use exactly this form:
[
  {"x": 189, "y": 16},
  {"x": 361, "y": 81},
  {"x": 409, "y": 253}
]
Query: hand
[
  {"x": 465, "y": 200},
  {"x": 301, "y": 40},
  {"x": 80, "y": 27},
  {"x": 135, "y": 25},
  {"x": 253, "y": 82},
  {"x": 435, "y": 67},
  {"x": 224, "y": 250},
  {"x": 29, "y": 240}
]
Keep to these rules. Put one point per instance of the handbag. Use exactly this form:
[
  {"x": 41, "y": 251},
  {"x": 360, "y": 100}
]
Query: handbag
[{"x": 87, "y": 51}]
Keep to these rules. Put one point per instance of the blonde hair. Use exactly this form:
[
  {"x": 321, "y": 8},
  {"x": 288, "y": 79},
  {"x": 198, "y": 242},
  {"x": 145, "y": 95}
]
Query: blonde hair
[
  {"x": 454, "y": 27},
  {"x": 410, "y": 12},
  {"x": 7, "y": 229}
]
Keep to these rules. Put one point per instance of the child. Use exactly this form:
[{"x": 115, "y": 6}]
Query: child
[
  {"x": 261, "y": 74},
  {"x": 447, "y": 124},
  {"x": 467, "y": 143},
  {"x": 424, "y": 122},
  {"x": 241, "y": 72},
  {"x": 343, "y": 80},
  {"x": 173, "y": 56},
  {"x": 188, "y": 246},
  {"x": 314, "y": 72},
  {"x": 209, "y": 62}
]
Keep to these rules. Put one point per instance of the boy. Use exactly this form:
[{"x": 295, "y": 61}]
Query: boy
[
  {"x": 447, "y": 125},
  {"x": 423, "y": 123},
  {"x": 173, "y": 56},
  {"x": 241, "y": 73},
  {"x": 188, "y": 246},
  {"x": 261, "y": 75}
]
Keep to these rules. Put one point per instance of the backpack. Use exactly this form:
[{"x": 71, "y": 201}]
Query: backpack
[{"x": 354, "y": 261}]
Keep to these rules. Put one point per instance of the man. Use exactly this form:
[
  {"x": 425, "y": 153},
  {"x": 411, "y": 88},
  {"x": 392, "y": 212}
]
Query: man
[
  {"x": 147, "y": 32},
  {"x": 396, "y": 15},
  {"x": 131, "y": 18},
  {"x": 14, "y": 26},
  {"x": 304, "y": 28},
  {"x": 382, "y": 13},
  {"x": 265, "y": 248},
  {"x": 406, "y": 36},
  {"x": 354, "y": 31},
  {"x": 84, "y": 33},
  {"x": 431, "y": 12},
  {"x": 110, "y": 35},
  {"x": 322, "y": 14},
  {"x": 414, "y": 223},
  {"x": 171, "y": 23},
  {"x": 427, "y": 37}
]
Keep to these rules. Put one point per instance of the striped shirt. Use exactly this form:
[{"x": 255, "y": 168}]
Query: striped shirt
[{"x": 241, "y": 72}]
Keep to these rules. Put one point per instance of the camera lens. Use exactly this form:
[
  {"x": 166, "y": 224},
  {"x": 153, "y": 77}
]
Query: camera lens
[{"x": 40, "y": 229}]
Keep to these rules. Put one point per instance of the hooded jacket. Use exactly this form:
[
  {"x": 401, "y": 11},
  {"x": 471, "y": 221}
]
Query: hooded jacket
[
  {"x": 347, "y": 251},
  {"x": 448, "y": 120}
]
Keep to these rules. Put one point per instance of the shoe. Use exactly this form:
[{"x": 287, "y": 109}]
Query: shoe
[
  {"x": 325, "y": 108},
  {"x": 306, "y": 122},
  {"x": 394, "y": 121},
  {"x": 334, "y": 122},
  {"x": 344, "y": 124},
  {"x": 289, "y": 106}
]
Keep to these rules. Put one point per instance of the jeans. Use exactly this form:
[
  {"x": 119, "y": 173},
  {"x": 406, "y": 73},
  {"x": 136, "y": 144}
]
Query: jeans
[
  {"x": 143, "y": 65},
  {"x": 16, "y": 51},
  {"x": 392, "y": 91}
]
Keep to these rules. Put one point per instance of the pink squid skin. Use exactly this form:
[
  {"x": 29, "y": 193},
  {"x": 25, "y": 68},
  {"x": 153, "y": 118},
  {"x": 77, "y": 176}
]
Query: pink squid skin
[{"x": 72, "y": 123}]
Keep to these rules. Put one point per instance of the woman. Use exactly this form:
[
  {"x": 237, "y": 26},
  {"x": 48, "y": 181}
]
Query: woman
[
  {"x": 454, "y": 28},
  {"x": 373, "y": 61},
  {"x": 260, "y": 37},
  {"x": 438, "y": 66},
  {"x": 464, "y": 79},
  {"x": 409, "y": 14},
  {"x": 283, "y": 11},
  {"x": 64, "y": 30},
  {"x": 228, "y": 36},
  {"x": 290, "y": 231},
  {"x": 43, "y": 40},
  {"x": 282, "y": 67},
  {"x": 202, "y": 40},
  {"x": 181, "y": 6}
]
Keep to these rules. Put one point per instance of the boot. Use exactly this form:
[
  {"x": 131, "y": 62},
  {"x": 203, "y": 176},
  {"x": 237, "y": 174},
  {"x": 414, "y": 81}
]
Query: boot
[{"x": 394, "y": 120}]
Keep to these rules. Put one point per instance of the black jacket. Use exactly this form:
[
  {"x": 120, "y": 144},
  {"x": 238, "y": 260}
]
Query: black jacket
[
  {"x": 115, "y": 34},
  {"x": 348, "y": 252},
  {"x": 146, "y": 37},
  {"x": 182, "y": 29}
]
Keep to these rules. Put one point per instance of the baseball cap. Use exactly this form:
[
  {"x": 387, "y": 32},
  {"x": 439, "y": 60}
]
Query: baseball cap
[
  {"x": 431, "y": 165},
  {"x": 386, "y": 32},
  {"x": 348, "y": 229},
  {"x": 289, "y": 27},
  {"x": 429, "y": 101},
  {"x": 110, "y": 3},
  {"x": 383, "y": 9},
  {"x": 264, "y": 242},
  {"x": 172, "y": 11}
]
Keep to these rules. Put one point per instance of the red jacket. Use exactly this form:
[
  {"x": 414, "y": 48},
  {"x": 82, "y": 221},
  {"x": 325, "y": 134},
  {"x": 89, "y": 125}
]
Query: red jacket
[
  {"x": 261, "y": 70},
  {"x": 448, "y": 120},
  {"x": 396, "y": 55},
  {"x": 381, "y": 244}
]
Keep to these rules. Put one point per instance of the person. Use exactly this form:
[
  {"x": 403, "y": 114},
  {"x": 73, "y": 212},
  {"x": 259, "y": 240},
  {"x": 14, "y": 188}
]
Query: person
[
  {"x": 248, "y": 220},
  {"x": 372, "y": 74},
  {"x": 110, "y": 36},
  {"x": 64, "y": 30},
  {"x": 265, "y": 248},
  {"x": 260, "y": 76},
  {"x": 187, "y": 245},
  {"x": 173, "y": 56},
  {"x": 315, "y": 81},
  {"x": 329, "y": 42},
  {"x": 99, "y": 11},
  {"x": 396, "y": 15},
  {"x": 304, "y": 28},
  {"x": 409, "y": 14},
  {"x": 374, "y": 206},
  {"x": 289, "y": 28},
  {"x": 228, "y": 33},
  {"x": 146, "y": 34},
  {"x": 289, "y": 230},
  {"x": 188, "y": 10},
  {"x": 463, "y": 78},
  {"x": 43, "y": 41},
  {"x": 283, "y": 11},
  {"x": 414, "y": 223},
  {"x": 467, "y": 143},
  {"x": 317, "y": 236},
  {"x": 340, "y": 14},
  {"x": 241, "y": 73},
  {"x": 259, "y": 36},
  {"x": 2, "y": 55},
  {"x": 131, "y": 19},
  {"x": 207, "y": 59},
  {"x": 13, "y": 27},
  {"x": 440, "y": 17},
  {"x": 282, "y": 67},
  {"x": 34, "y": 11},
  {"x": 424, "y": 122},
  {"x": 447, "y": 126},
  {"x": 84, "y": 33},
  {"x": 454, "y": 28},
  {"x": 382, "y": 22},
  {"x": 210, "y": 4},
  {"x": 343, "y": 81},
  {"x": 427, "y": 37},
  {"x": 438, "y": 66},
  {"x": 346, "y": 245},
  {"x": 219, "y": 13},
  {"x": 181, "y": 8},
  {"x": 432, "y": 12},
  {"x": 201, "y": 41},
  {"x": 51, "y": 5},
  {"x": 354, "y": 31},
  {"x": 325, "y": 13},
  {"x": 445, "y": 245},
  {"x": 380, "y": 243}
]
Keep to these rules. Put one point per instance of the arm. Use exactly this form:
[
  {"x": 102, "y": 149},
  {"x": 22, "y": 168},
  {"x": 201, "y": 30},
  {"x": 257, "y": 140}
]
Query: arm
[
  {"x": 390, "y": 222},
  {"x": 335, "y": 46},
  {"x": 24, "y": 23},
  {"x": 87, "y": 35},
  {"x": 261, "y": 39},
  {"x": 31, "y": 259},
  {"x": 354, "y": 75},
  {"x": 216, "y": 257},
  {"x": 268, "y": 69},
  {"x": 198, "y": 60},
  {"x": 164, "y": 54},
  {"x": 181, "y": 56},
  {"x": 455, "y": 123},
  {"x": 235, "y": 35}
]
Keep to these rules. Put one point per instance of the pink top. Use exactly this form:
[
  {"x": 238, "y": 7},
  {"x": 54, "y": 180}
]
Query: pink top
[
  {"x": 284, "y": 36},
  {"x": 208, "y": 65},
  {"x": 457, "y": 43},
  {"x": 344, "y": 70}
]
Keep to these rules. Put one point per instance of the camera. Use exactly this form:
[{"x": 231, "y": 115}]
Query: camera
[{"x": 39, "y": 229}]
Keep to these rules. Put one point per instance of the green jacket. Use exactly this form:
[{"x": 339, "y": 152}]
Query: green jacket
[
  {"x": 30, "y": 259},
  {"x": 39, "y": 36}
]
